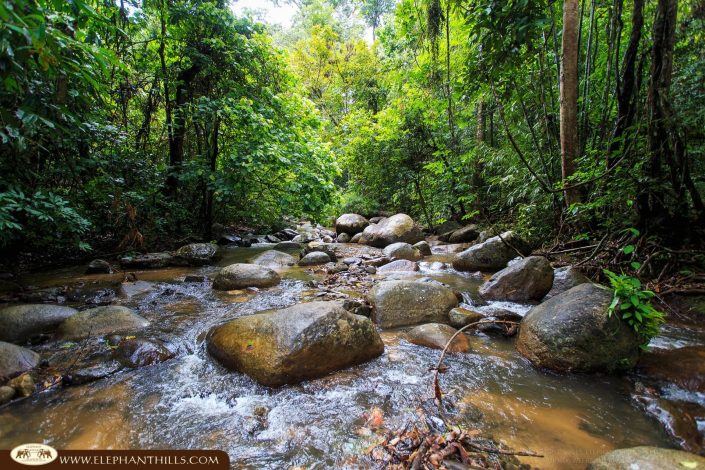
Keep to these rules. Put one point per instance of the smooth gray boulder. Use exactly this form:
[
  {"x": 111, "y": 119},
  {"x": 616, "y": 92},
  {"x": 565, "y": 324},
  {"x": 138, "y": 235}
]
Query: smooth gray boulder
[
  {"x": 436, "y": 336},
  {"x": 647, "y": 458},
  {"x": 423, "y": 247},
  {"x": 398, "y": 266},
  {"x": 274, "y": 259},
  {"x": 401, "y": 303},
  {"x": 466, "y": 234},
  {"x": 20, "y": 322},
  {"x": 402, "y": 250},
  {"x": 350, "y": 224},
  {"x": 564, "y": 279},
  {"x": 394, "y": 229},
  {"x": 297, "y": 343},
  {"x": 493, "y": 254},
  {"x": 16, "y": 359},
  {"x": 527, "y": 280},
  {"x": 100, "y": 321},
  {"x": 197, "y": 254},
  {"x": 573, "y": 333},
  {"x": 242, "y": 275},
  {"x": 314, "y": 258},
  {"x": 343, "y": 238}
]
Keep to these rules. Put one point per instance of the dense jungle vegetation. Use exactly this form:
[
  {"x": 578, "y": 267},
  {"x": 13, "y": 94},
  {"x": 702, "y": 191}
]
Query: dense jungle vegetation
[{"x": 138, "y": 124}]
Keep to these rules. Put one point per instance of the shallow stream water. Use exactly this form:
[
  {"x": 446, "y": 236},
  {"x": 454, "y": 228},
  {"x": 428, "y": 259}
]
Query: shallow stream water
[{"x": 193, "y": 402}]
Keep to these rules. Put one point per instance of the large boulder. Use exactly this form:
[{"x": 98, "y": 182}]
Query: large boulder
[
  {"x": 466, "y": 234},
  {"x": 197, "y": 254},
  {"x": 402, "y": 250},
  {"x": 15, "y": 359},
  {"x": 492, "y": 255},
  {"x": 350, "y": 224},
  {"x": 147, "y": 261},
  {"x": 564, "y": 279},
  {"x": 526, "y": 280},
  {"x": 572, "y": 332},
  {"x": 647, "y": 458},
  {"x": 314, "y": 258},
  {"x": 436, "y": 336},
  {"x": 21, "y": 322},
  {"x": 100, "y": 321},
  {"x": 684, "y": 367},
  {"x": 274, "y": 259},
  {"x": 397, "y": 228},
  {"x": 302, "y": 342},
  {"x": 241, "y": 275},
  {"x": 400, "y": 303}
]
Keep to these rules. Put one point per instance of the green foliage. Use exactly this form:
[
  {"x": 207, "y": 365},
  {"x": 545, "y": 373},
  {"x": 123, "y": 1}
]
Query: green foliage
[{"x": 633, "y": 305}]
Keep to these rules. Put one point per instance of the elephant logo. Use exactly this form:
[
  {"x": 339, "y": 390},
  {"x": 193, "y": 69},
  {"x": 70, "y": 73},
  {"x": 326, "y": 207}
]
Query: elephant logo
[{"x": 33, "y": 454}]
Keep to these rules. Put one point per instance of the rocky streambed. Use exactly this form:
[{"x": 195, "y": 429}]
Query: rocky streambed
[{"x": 155, "y": 385}]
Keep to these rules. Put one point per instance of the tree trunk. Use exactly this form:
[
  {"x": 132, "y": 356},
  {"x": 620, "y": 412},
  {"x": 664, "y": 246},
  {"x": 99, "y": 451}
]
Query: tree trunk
[{"x": 569, "y": 98}]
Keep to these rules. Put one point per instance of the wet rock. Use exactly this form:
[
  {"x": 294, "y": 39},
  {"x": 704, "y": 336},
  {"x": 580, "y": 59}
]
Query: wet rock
[
  {"x": 370, "y": 270},
  {"x": 400, "y": 265},
  {"x": 679, "y": 418},
  {"x": 647, "y": 458},
  {"x": 197, "y": 254},
  {"x": 564, "y": 279},
  {"x": 91, "y": 295},
  {"x": 684, "y": 367},
  {"x": 16, "y": 359},
  {"x": 240, "y": 276},
  {"x": 466, "y": 234},
  {"x": 397, "y": 228},
  {"x": 492, "y": 255},
  {"x": 100, "y": 321},
  {"x": 314, "y": 258},
  {"x": 400, "y": 303},
  {"x": 358, "y": 308},
  {"x": 92, "y": 373},
  {"x": 23, "y": 385},
  {"x": 424, "y": 248},
  {"x": 352, "y": 261},
  {"x": 147, "y": 261},
  {"x": 377, "y": 262},
  {"x": 7, "y": 393},
  {"x": 99, "y": 266},
  {"x": 326, "y": 248},
  {"x": 272, "y": 239},
  {"x": 195, "y": 279},
  {"x": 338, "y": 268},
  {"x": 450, "y": 249},
  {"x": 436, "y": 336},
  {"x": 356, "y": 238},
  {"x": 138, "y": 352},
  {"x": 500, "y": 329},
  {"x": 350, "y": 224},
  {"x": 343, "y": 238},
  {"x": 460, "y": 317},
  {"x": 302, "y": 342},
  {"x": 229, "y": 239},
  {"x": 527, "y": 280},
  {"x": 20, "y": 322},
  {"x": 289, "y": 246},
  {"x": 129, "y": 290},
  {"x": 402, "y": 251},
  {"x": 572, "y": 332},
  {"x": 274, "y": 259}
]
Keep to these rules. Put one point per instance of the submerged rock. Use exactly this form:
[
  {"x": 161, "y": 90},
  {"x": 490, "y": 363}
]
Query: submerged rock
[
  {"x": 647, "y": 458},
  {"x": 138, "y": 352},
  {"x": 99, "y": 321},
  {"x": 350, "y": 224},
  {"x": 526, "y": 280},
  {"x": 314, "y": 258},
  {"x": 572, "y": 332},
  {"x": 436, "y": 336},
  {"x": 564, "y": 279},
  {"x": 147, "y": 261},
  {"x": 16, "y": 359},
  {"x": 241, "y": 275},
  {"x": 302, "y": 342},
  {"x": 684, "y": 367},
  {"x": 274, "y": 259},
  {"x": 23, "y": 385},
  {"x": 197, "y": 254},
  {"x": 21, "y": 322},
  {"x": 400, "y": 303},
  {"x": 397, "y": 228},
  {"x": 402, "y": 250},
  {"x": 491, "y": 255}
]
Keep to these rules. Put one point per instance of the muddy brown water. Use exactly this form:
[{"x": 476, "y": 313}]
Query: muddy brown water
[{"x": 193, "y": 402}]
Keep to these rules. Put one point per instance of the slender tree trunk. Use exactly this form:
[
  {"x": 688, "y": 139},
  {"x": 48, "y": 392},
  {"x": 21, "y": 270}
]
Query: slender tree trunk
[
  {"x": 213, "y": 161},
  {"x": 569, "y": 98}
]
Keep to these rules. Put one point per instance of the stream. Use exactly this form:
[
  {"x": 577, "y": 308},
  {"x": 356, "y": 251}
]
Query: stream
[{"x": 193, "y": 402}]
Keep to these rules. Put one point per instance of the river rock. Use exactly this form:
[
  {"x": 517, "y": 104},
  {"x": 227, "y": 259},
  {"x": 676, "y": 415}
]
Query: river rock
[
  {"x": 21, "y": 322},
  {"x": 684, "y": 367},
  {"x": 16, "y": 359},
  {"x": 350, "y": 224},
  {"x": 138, "y": 352},
  {"x": 647, "y": 458},
  {"x": 564, "y": 279},
  {"x": 197, "y": 254},
  {"x": 7, "y": 393},
  {"x": 343, "y": 238},
  {"x": 397, "y": 228},
  {"x": 402, "y": 250},
  {"x": 400, "y": 303},
  {"x": 356, "y": 238},
  {"x": 274, "y": 259},
  {"x": 492, "y": 255},
  {"x": 314, "y": 258},
  {"x": 423, "y": 247},
  {"x": 99, "y": 266},
  {"x": 23, "y": 385},
  {"x": 500, "y": 329},
  {"x": 302, "y": 342},
  {"x": 526, "y": 280},
  {"x": 436, "y": 336},
  {"x": 460, "y": 317},
  {"x": 241, "y": 275},
  {"x": 399, "y": 265},
  {"x": 466, "y": 234},
  {"x": 147, "y": 261},
  {"x": 572, "y": 332},
  {"x": 288, "y": 246},
  {"x": 100, "y": 321}
]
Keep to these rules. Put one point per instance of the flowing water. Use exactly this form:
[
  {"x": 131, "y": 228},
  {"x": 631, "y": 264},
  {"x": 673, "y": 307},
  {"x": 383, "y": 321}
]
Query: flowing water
[{"x": 193, "y": 402}]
